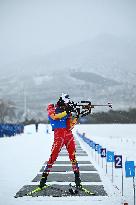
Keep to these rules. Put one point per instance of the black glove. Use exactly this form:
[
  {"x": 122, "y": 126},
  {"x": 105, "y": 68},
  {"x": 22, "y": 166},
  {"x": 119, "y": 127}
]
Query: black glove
[{"x": 77, "y": 112}]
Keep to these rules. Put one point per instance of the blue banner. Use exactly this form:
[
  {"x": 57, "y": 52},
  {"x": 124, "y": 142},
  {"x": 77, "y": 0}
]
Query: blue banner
[
  {"x": 130, "y": 168},
  {"x": 110, "y": 156},
  {"x": 103, "y": 152},
  {"x": 96, "y": 147},
  {"x": 118, "y": 161},
  {"x": 93, "y": 145},
  {"x": 99, "y": 149},
  {"x": 8, "y": 130}
]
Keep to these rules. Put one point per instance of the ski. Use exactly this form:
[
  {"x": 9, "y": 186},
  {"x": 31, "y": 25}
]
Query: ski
[
  {"x": 73, "y": 190},
  {"x": 37, "y": 189},
  {"x": 54, "y": 190},
  {"x": 87, "y": 191}
]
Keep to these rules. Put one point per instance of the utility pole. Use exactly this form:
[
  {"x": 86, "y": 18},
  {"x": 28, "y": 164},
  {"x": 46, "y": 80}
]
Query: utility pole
[{"x": 25, "y": 105}]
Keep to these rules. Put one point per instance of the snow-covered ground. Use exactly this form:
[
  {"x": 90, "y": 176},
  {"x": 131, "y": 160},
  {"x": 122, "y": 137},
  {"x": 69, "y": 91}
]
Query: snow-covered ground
[
  {"x": 22, "y": 156},
  {"x": 122, "y": 140}
]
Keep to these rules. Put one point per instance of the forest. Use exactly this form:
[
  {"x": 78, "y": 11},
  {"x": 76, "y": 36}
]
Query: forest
[{"x": 112, "y": 116}]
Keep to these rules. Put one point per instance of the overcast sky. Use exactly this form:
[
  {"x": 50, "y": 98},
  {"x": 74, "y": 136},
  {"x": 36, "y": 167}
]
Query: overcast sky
[{"x": 37, "y": 27}]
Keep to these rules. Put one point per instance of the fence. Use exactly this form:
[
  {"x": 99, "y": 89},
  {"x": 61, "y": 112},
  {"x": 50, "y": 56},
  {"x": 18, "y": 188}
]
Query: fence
[
  {"x": 8, "y": 130},
  {"x": 116, "y": 161}
]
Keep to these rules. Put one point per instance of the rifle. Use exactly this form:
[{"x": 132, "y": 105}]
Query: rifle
[{"x": 84, "y": 107}]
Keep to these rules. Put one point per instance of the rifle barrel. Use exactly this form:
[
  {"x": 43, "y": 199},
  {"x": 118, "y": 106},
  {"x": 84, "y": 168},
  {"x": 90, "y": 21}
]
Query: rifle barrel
[{"x": 102, "y": 105}]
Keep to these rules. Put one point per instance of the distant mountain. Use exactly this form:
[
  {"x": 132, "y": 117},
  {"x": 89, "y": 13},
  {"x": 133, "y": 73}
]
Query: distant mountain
[
  {"x": 89, "y": 77},
  {"x": 102, "y": 70}
]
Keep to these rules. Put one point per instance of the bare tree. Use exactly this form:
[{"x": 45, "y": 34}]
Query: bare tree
[{"x": 7, "y": 109}]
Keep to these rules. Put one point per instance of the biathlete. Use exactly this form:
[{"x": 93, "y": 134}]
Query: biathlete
[{"x": 61, "y": 120}]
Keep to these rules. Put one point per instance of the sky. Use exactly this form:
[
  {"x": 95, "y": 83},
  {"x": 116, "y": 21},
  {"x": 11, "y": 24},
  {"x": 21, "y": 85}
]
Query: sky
[{"x": 37, "y": 27}]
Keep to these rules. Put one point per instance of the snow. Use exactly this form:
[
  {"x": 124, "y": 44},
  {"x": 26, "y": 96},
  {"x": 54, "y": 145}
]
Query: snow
[{"x": 22, "y": 156}]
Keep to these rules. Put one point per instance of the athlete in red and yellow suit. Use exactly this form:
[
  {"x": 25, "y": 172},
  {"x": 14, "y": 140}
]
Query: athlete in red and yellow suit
[{"x": 62, "y": 136}]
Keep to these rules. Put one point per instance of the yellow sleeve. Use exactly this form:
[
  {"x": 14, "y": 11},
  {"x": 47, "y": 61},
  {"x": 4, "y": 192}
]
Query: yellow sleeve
[
  {"x": 73, "y": 122},
  {"x": 58, "y": 116}
]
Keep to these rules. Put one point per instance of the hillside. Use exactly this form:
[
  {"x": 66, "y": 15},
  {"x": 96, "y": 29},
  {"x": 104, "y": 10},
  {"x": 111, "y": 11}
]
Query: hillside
[{"x": 95, "y": 69}]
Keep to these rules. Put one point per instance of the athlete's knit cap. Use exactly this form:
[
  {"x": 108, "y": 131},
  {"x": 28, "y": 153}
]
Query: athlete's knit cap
[
  {"x": 65, "y": 97},
  {"x": 63, "y": 100}
]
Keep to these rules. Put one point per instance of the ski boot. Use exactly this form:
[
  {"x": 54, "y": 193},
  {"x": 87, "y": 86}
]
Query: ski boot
[
  {"x": 77, "y": 182},
  {"x": 43, "y": 180}
]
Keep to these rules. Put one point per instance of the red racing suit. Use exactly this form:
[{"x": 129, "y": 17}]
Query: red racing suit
[{"x": 62, "y": 136}]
